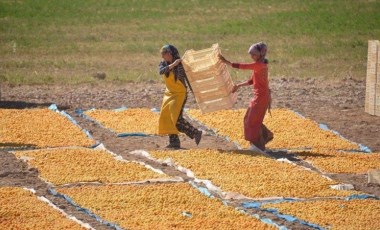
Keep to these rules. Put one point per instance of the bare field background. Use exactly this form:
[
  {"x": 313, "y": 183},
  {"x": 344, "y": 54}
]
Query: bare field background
[{"x": 66, "y": 42}]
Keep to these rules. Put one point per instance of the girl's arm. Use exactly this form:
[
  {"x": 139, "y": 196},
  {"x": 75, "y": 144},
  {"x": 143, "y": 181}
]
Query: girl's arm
[
  {"x": 243, "y": 65},
  {"x": 224, "y": 60},
  {"x": 236, "y": 65},
  {"x": 164, "y": 67},
  {"x": 244, "y": 83},
  {"x": 240, "y": 66}
]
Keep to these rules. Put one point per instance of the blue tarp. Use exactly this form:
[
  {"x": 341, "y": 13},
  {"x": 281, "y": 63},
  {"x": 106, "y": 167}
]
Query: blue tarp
[
  {"x": 84, "y": 210},
  {"x": 289, "y": 218},
  {"x": 207, "y": 193},
  {"x": 362, "y": 148}
]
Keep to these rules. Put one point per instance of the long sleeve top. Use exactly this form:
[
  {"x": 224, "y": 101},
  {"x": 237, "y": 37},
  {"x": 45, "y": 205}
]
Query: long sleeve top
[{"x": 259, "y": 77}]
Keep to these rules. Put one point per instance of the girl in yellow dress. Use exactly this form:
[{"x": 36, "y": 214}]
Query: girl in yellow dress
[{"x": 171, "y": 121}]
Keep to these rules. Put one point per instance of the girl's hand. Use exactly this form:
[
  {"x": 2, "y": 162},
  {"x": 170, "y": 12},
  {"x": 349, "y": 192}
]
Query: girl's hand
[
  {"x": 224, "y": 60},
  {"x": 235, "y": 88},
  {"x": 176, "y": 62}
]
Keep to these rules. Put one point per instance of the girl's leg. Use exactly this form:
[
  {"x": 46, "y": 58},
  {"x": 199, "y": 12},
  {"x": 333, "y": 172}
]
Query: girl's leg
[
  {"x": 254, "y": 129},
  {"x": 185, "y": 127},
  {"x": 266, "y": 134},
  {"x": 259, "y": 144},
  {"x": 174, "y": 141},
  {"x": 252, "y": 126}
]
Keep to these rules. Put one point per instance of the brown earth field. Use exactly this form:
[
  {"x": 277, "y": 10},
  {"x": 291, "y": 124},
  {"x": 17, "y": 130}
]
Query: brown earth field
[{"x": 337, "y": 103}]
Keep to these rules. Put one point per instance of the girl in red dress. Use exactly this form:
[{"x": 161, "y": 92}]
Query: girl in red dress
[{"x": 254, "y": 130}]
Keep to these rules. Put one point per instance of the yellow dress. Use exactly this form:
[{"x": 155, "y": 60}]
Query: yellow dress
[{"x": 172, "y": 103}]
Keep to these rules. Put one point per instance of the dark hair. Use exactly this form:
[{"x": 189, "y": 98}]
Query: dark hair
[{"x": 172, "y": 50}]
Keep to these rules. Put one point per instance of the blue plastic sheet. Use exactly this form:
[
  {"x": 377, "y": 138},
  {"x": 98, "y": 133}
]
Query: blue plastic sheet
[
  {"x": 132, "y": 135},
  {"x": 54, "y": 108},
  {"x": 187, "y": 214},
  {"x": 265, "y": 220},
  {"x": 251, "y": 205},
  {"x": 324, "y": 127},
  {"x": 123, "y": 108},
  {"x": 294, "y": 219},
  {"x": 207, "y": 193},
  {"x": 69, "y": 117},
  {"x": 257, "y": 204},
  {"x": 362, "y": 148},
  {"x": 298, "y": 114},
  {"x": 84, "y": 210},
  {"x": 155, "y": 110},
  {"x": 362, "y": 197},
  {"x": 270, "y": 222},
  {"x": 289, "y": 218},
  {"x": 201, "y": 189}
]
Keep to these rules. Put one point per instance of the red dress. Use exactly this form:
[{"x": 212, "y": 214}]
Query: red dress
[{"x": 254, "y": 130}]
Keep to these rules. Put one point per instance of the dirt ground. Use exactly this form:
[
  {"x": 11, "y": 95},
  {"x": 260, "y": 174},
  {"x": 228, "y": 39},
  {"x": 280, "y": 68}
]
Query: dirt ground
[{"x": 338, "y": 104}]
